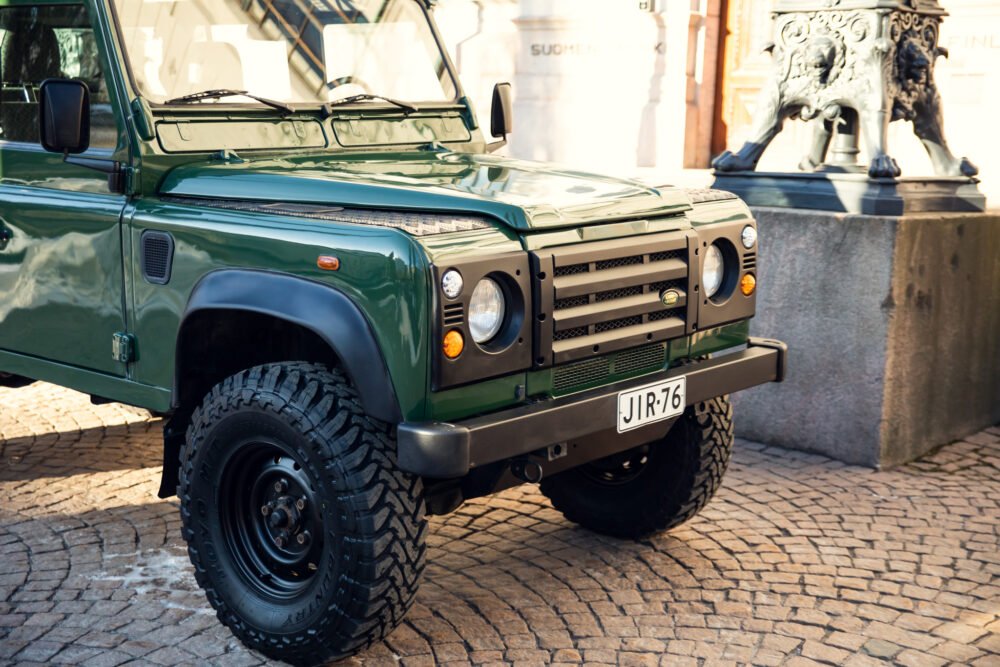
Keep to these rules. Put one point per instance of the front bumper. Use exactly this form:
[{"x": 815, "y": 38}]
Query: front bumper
[{"x": 443, "y": 451}]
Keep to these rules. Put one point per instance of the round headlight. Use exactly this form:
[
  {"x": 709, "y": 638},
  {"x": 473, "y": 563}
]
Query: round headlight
[
  {"x": 713, "y": 272},
  {"x": 749, "y": 236},
  {"x": 486, "y": 311},
  {"x": 452, "y": 284}
]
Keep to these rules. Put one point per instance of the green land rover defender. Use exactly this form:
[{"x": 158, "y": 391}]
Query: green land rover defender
[{"x": 277, "y": 224}]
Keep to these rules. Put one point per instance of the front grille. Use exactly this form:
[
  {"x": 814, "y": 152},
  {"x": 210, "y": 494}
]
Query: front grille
[
  {"x": 605, "y": 296},
  {"x": 592, "y": 372}
]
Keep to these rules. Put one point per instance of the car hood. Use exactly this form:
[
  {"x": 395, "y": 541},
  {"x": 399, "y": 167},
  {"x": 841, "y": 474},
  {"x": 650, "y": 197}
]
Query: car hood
[{"x": 523, "y": 195}]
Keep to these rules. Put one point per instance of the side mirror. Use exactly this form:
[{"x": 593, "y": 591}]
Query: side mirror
[
  {"x": 502, "y": 115},
  {"x": 64, "y": 116}
]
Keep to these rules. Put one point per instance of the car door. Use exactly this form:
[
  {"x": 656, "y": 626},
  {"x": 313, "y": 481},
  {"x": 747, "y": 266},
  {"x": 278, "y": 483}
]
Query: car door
[{"x": 61, "y": 276}]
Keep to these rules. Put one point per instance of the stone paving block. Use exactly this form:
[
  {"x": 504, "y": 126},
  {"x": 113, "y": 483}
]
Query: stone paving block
[{"x": 797, "y": 561}]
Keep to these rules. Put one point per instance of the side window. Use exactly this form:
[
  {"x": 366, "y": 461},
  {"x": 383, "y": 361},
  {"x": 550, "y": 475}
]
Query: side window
[{"x": 44, "y": 42}]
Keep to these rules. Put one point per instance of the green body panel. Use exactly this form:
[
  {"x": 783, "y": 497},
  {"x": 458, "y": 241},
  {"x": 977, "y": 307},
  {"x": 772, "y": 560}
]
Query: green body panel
[
  {"x": 382, "y": 271},
  {"x": 61, "y": 276},
  {"x": 523, "y": 195},
  {"x": 71, "y": 277}
]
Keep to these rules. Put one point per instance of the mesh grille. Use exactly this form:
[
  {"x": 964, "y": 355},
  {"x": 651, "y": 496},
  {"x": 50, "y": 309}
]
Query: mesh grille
[
  {"x": 582, "y": 373},
  {"x": 665, "y": 285},
  {"x": 664, "y": 256},
  {"x": 157, "y": 256},
  {"x": 571, "y": 270},
  {"x": 592, "y": 372},
  {"x": 665, "y": 315},
  {"x": 706, "y": 195},
  {"x": 640, "y": 358},
  {"x": 620, "y": 293},
  {"x": 157, "y": 252},
  {"x": 618, "y": 262},
  {"x": 415, "y": 224},
  {"x": 573, "y": 302},
  {"x": 570, "y": 333},
  {"x": 618, "y": 324}
]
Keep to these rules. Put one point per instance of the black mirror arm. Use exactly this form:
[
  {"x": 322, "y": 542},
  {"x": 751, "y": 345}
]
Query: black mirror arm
[
  {"x": 116, "y": 175},
  {"x": 493, "y": 147}
]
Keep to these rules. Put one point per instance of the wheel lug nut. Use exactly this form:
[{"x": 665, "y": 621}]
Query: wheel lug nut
[
  {"x": 281, "y": 486},
  {"x": 302, "y": 537},
  {"x": 280, "y": 541},
  {"x": 265, "y": 510},
  {"x": 300, "y": 504}
]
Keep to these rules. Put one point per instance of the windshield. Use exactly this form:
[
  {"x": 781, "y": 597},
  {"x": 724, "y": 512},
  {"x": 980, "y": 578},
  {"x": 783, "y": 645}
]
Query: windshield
[{"x": 294, "y": 51}]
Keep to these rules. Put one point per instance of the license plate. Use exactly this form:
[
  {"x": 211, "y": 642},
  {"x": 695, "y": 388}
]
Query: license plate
[{"x": 650, "y": 404}]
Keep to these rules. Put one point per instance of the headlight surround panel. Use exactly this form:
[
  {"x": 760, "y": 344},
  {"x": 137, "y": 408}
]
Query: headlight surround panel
[
  {"x": 727, "y": 304},
  {"x": 506, "y": 351}
]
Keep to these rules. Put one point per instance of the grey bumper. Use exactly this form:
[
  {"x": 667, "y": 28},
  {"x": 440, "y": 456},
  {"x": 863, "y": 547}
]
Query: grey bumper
[{"x": 442, "y": 451}]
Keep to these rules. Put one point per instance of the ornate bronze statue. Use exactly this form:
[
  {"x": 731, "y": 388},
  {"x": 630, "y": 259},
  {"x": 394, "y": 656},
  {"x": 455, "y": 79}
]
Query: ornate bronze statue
[{"x": 853, "y": 65}]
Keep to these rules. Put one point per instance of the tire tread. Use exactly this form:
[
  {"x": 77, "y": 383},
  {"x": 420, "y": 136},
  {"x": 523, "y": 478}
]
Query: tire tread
[{"x": 388, "y": 529}]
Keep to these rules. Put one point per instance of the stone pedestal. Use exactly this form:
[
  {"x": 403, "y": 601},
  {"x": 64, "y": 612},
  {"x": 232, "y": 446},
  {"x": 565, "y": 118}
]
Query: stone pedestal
[
  {"x": 893, "y": 326},
  {"x": 854, "y": 192}
]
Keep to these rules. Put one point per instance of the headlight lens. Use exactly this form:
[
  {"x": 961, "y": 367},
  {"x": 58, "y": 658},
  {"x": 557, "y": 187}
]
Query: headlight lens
[
  {"x": 452, "y": 284},
  {"x": 749, "y": 236},
  {"x": 486, "y": 311},
  {"x": 713, "y": 272}
]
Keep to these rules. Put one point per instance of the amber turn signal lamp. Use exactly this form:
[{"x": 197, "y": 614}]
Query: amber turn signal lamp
[
  {"x": 453, "y": 344},
  {"x": 748, "y": 284},
  {"x": 328, "y": 263}
]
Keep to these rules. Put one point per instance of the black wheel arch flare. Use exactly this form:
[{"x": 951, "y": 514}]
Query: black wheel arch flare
[{"x": 317, "y": 307}]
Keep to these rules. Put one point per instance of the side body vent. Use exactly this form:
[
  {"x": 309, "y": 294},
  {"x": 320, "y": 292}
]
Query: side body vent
[
  {"x": 156, "y": 256},
  {"x": 749, "y": 261}
]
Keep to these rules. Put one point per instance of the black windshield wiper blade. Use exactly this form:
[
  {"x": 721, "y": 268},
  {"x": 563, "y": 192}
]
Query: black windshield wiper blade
[
  {"x": 405, "y": 106},
  {"x": 227, "y": 92}
]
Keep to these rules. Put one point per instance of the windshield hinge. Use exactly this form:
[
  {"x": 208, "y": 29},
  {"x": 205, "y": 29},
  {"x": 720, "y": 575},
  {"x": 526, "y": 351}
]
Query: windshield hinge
[
  {"x": 434, "y": 146},
  {"x": 123, "y": 347},
  {"x": 227, "y": 156}
]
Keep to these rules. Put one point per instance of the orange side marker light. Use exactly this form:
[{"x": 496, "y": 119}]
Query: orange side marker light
[
  {"x": 328, "y": 263},
  {"x": 454, "y": 344}
]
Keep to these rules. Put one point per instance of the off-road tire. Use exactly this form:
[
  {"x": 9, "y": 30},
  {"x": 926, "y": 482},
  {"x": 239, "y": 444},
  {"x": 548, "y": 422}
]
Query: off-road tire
[
  {"x": 679, "y": 476},
  {"x": 371, "y": 514}
]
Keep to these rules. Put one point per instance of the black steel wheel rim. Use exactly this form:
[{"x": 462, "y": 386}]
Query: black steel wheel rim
[{"x": 272, "y": 520}]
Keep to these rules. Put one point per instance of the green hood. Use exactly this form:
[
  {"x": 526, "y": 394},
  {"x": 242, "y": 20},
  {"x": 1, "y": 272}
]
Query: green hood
[{"x": 524, "y": 195}]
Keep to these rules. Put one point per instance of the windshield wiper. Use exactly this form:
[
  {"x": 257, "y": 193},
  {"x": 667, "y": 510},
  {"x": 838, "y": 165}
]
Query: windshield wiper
[
  {"x": 405, "y": 106},
  {"x": 226, "y": 92}
]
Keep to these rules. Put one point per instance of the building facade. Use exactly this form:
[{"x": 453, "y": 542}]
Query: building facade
[{"x": 656, "y": 88}]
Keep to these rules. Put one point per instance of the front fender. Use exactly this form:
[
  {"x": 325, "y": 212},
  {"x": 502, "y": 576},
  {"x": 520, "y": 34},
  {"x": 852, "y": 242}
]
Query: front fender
[{"x": 318, "y": 307}]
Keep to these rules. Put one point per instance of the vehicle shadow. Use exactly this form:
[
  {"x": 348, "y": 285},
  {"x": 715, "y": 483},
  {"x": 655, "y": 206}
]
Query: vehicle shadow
[{"x": 66, "y": 453}]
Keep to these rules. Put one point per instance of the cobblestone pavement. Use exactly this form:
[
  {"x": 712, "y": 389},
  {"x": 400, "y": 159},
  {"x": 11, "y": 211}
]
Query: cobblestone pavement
[{"x": 799, "y": 560}]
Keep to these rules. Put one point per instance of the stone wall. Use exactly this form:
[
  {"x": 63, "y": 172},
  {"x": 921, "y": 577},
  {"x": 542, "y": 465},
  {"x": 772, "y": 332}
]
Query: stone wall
[{"x": 893, "y": 325}]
